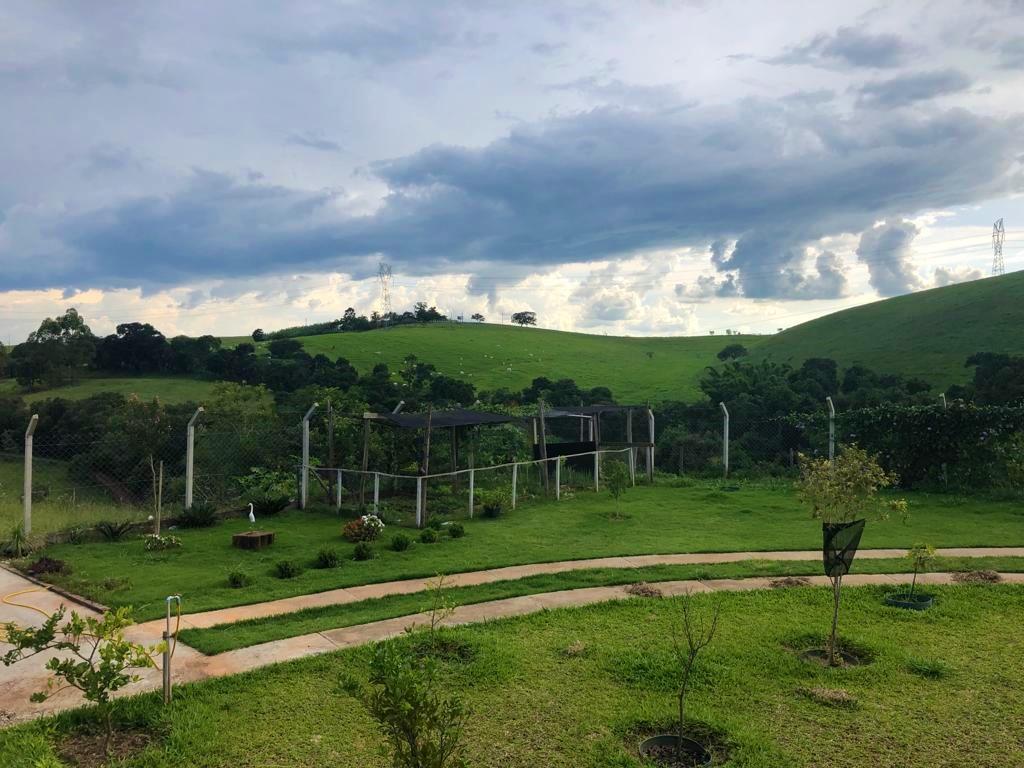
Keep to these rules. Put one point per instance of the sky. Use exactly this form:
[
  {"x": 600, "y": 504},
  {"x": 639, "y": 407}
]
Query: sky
[{"x": 642, "y": 168}]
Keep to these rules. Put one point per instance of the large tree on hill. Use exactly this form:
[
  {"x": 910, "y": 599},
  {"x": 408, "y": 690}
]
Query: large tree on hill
[
  {"x": 524, "y": 318},
  {"x": 56, "y": 352}
]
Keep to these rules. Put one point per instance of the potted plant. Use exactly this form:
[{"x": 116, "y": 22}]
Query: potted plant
[
  {"x": 696, "y": 633},
  {"x": 843, "y": 494},
  {"x": 921, "y": 556}
]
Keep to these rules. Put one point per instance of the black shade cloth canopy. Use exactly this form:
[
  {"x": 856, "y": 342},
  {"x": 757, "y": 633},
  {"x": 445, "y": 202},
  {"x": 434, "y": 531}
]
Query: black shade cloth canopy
[{"x": 459, "y": 417}]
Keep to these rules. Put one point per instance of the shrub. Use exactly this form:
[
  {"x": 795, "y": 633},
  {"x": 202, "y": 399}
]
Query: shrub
[
  {"x": 429, "y": 536},
  {"x": 456, "y": 530},
  {"x": 327, "y": 558},
  {"x": 111, "y": 531},
  {"x": 615, "y": 475},
  {"x": 365, "y": 528},
  {"x": 263, "y": 506},
  {"x": 363, "y": 551},
  {"x": 102, "y": 662},
  {"x": 495, "y": 502},
  {"x": 423, "y": 727},
  {"x": 75, "y": 535},
  {"x": 157, "y": 543},
  {"x": 287, "y": 569},
  {"x": 400, "y": 542},
  {"x": 45, "y": 565},
  {"x": 201, "y": 515},
  {"x": 921, "y": 557},
  {"x": 19, "y": 543},
  {"x": 435, "y": 523},
  {"x": 238, "y": 579}
]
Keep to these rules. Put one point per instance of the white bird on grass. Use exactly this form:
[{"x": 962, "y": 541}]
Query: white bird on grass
[{"x": 252, "y": 515}]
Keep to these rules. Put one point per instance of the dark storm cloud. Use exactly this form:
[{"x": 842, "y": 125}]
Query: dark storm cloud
[
  {"x": 886, "y": 251},
  {"x": 919, "y": 86},
  {"x": 848, "y": 47},
  {"x": 589, "y": 186}
]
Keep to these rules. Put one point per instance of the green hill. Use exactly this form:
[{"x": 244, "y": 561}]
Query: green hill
[
  {"x": 170, "y": 389},
  {"x": 928, "y": 334},
  {"x": 492, "y": 356}
]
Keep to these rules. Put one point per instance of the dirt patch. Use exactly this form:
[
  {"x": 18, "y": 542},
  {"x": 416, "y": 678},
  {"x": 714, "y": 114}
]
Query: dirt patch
[
  {"x": 977, "y": 577},
  {"x": 713, "y": 740},
  {"x": 85, "y": 750},
  {"x": 784, "y": 582},
  {"x": 643, "y": 589},
  {"x": 668, "y": 756},
  {"x": 45, "y": 565},
  {"x": 830, "y": 697}
]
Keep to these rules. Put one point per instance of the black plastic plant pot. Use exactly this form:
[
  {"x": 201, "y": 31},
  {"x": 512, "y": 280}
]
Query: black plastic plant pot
[
  {"x": 839, "y": 545},
  {"x": 661, "y": 749},
  {"x": 916, "y": 602}
]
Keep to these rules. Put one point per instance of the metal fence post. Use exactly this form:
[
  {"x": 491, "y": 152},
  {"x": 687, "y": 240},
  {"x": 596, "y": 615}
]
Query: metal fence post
[
  {"x": 831, "y": 429},
  {"x": 190, "y": 458},
  {"x": 304, "y": 481},
  {"x": 27, "y": 489},
  {"x": 725, "y": 439},
  {"x": 471, "y": 483}
]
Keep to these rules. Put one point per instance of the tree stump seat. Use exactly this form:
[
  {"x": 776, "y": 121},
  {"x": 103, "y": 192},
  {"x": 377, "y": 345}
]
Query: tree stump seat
[{"x": 252, "y": 539}]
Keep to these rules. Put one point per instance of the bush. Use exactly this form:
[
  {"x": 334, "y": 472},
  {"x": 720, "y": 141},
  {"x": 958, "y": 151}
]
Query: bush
[
  {"x": 327, "y": 558},
  {"x": 114, "y": 531},
  {"x": 19, "y": 544},
  {"x": 287, "y": 569},
  {"x": 456, "y": 530},
  {"x": 365, "y": 528},
  {"x": 400, "y": 542},
  {"x": 238, "y": 579},
  {"x": 268, "y": 505},
  {"x": 429, "y": 536},
  {"x": 201, "y": 515},
  {"x": 435, "y": 523},
  {"x": 495, "y": 502},
  {"x": 157, "y": 543},
  {"x": 363, "y": 551}
]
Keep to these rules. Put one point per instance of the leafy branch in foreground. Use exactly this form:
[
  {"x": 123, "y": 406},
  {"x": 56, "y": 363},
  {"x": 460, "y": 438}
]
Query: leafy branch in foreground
[{"x": 95, "y": 659}]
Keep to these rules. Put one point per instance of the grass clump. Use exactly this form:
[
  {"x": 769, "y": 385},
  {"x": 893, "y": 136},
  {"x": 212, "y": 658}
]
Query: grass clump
[
  {"x": 327, "y": 558},
  {"x": 400, "y": 542},
  {"x": 286, "y": 569},
  {"x": 238, "y": 579},
  {"x": 363, "y": 551}
]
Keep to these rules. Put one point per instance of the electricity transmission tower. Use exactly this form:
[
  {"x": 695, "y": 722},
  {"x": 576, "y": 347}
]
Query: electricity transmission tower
[
  {"x": 998, "y": 235},
  {"x": 384, "y": 279}
]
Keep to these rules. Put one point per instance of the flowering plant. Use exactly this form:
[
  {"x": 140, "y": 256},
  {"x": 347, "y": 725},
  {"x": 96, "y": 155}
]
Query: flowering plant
[
  {"x": 157, "y": 543},
  {"x": 365, "y": 528}
]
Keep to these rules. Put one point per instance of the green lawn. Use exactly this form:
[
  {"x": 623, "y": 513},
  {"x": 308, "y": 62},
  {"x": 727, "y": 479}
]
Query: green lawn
[
  {"x": 170, "y": 389},
  {"x": 659, "y": 519},
  {"x": 242, "y": 634},
  {"x": 577, "y": 688},
  {"x": 636, "y": 369}
]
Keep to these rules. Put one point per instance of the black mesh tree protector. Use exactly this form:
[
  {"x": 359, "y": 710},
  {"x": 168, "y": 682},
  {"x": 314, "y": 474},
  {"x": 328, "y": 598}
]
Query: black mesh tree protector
[{"x": 840, "y": 545}]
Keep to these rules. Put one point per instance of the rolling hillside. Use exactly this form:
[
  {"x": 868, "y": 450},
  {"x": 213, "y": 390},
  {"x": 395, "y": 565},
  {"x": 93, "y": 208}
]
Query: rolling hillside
[
  {"x": 170, "y": 389},
  {"x": 492, "y": 356},
  {"x": 927, "y": 334}
]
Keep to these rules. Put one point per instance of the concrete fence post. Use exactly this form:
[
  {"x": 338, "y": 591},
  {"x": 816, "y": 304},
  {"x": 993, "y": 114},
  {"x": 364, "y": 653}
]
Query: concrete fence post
[
  {"x": 304, "y": 480},
  {"x": 419, "y": 502},
  {"x": 725, "y": 439},
  {"x": 337, "y": 493},
  {"x": 472, "y": 479},
  {"x": 558, "y": 477},
  {"x": 515, "y": 480},
  {"x": 831, "y": 429},
  {"x": 597, "y": 470},
  {"x": 376, "y": 492},
  {"x": 27, "y": 488},
  {"x": 190, "y": 458}
]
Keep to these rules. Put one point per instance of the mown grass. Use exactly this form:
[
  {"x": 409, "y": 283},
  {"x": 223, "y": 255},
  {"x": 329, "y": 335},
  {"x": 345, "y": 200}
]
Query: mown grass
[
  {"x": 242, "y": 634},
  {"x": 575, "y": 689},
  {"x": 636, "y": 369},
  {"x": 658, "y": 519}
]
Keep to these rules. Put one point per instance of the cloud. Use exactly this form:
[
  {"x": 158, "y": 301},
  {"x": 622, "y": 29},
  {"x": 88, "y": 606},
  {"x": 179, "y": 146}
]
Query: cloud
[
  {"x": 110, "y": 158},
  {"x": 951, "y": 275},
  {"x": 886, "y": 250},
  {"x": 547, "y": 49},
  {"x": 1011, "y": 53},
  {"x": 589, "y": 186},
  {"x": 312, "y": 141},
  {"x": 848, "y": 47},
  {"x": 919, "y": 86}
]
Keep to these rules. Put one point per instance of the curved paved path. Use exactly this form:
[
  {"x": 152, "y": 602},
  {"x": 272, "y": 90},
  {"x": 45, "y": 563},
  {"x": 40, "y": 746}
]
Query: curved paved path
[
  {"x": 190, "y": 665},
  {"x": 472, "y": 578}
]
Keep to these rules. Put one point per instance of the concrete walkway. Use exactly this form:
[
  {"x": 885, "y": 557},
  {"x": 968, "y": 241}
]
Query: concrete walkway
[{"x": 18, "y": 681}]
